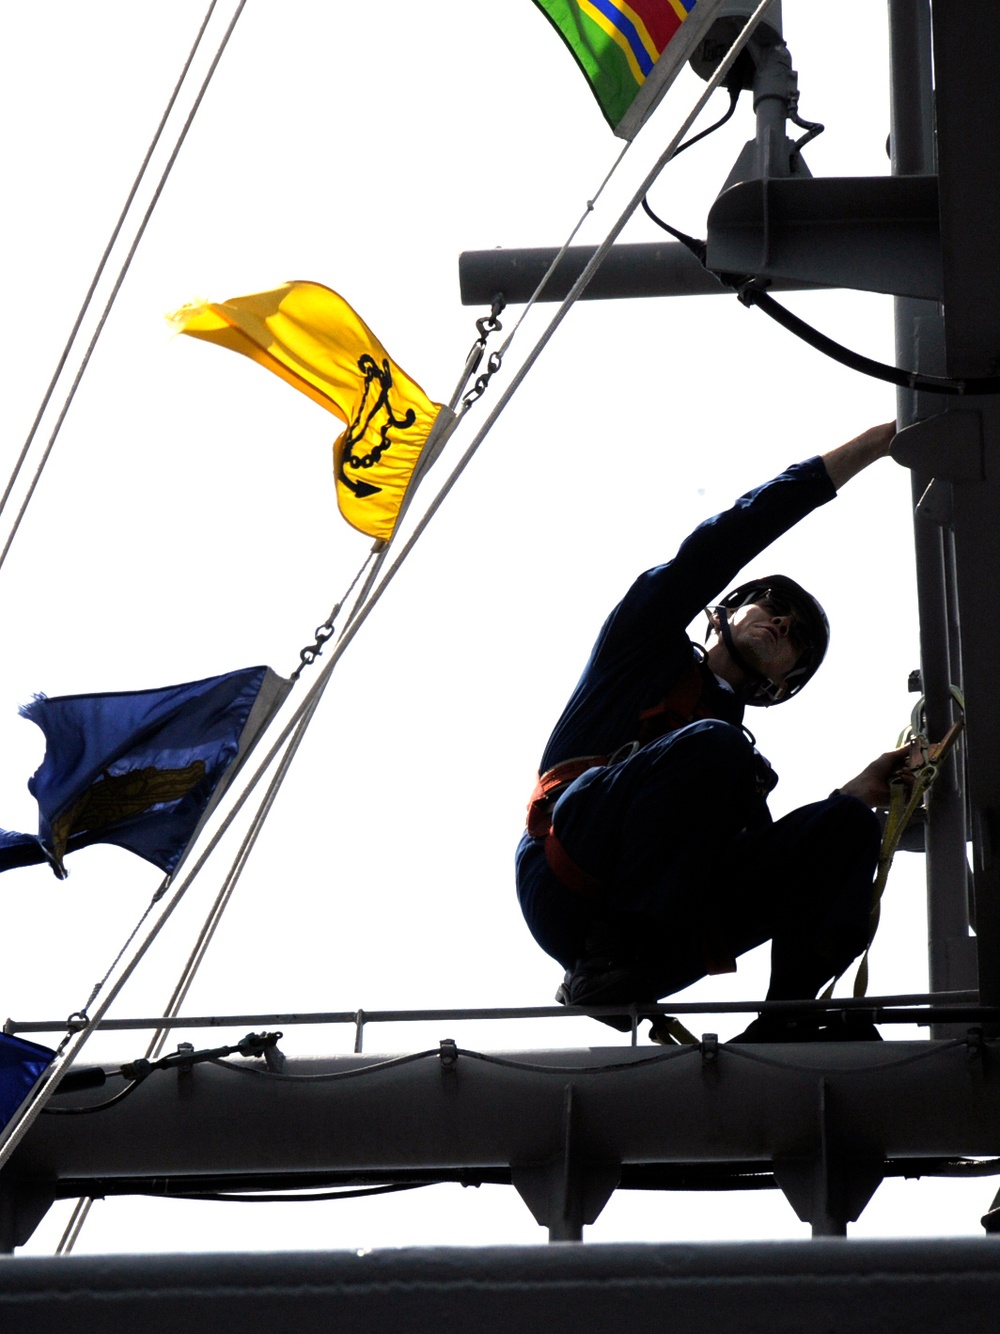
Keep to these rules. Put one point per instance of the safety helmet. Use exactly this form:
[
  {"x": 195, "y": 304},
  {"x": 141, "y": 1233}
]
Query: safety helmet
[{"x": 780, "y": 592}]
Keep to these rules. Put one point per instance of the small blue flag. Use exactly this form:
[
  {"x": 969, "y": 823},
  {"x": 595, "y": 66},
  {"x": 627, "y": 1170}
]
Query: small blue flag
[
  {"x": 142, "y": 769},
  {"x": 22, "y": 1064}
]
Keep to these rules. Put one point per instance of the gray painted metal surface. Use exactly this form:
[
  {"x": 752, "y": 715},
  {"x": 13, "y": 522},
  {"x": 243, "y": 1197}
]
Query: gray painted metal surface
[
  {"x": 665, "y": 268},
  {"x": 824, "y": 1117},
  {"x": 871, "y": 233},
  {"x": 920, "y": 344},
  {"x": 755, "y": 1288},
  {"x": 966, "y": 42},
  {"x": 924, "y": 235},
  {"x": 827, "y": 1120}
]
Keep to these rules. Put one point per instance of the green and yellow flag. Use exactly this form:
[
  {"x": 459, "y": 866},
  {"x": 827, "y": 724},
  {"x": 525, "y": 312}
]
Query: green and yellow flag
[
  {"x": 630, "y": 52},
  {"x": 310, "y": 337}
]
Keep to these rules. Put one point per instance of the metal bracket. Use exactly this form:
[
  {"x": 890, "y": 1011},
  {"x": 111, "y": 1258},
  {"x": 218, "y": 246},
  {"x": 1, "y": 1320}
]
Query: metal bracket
[
  {"x": 22, "y": 1208},
  {"x": 448, "y": 1056},
  {"x": 947, "y": 447},
  {"x": 829, "y": 1186},
  {"x": 185, "y": 1069},
  {"x": 570, "y": 1189}
]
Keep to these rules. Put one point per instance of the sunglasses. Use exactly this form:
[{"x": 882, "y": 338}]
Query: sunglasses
[{"x": 779, "y": 605}]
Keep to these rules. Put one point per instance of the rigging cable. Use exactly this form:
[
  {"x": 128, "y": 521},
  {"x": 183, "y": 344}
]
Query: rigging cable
[
  {"x": 364, "y": 605},
  {"x": 473, "y": 360},
  {"x": 83, "y": 1205},
  {"x": 324, "y": 632},
  {"x": 46, "y": 397},
  {"x": 231, "y": 879},
  {"x": 229, "y": 884},
  {"x": 76, "y": 1221},
  {"x": 17, "y": 1127},
  {"x": 126, "y": 263},
  {"x": 477, "y": 350}
]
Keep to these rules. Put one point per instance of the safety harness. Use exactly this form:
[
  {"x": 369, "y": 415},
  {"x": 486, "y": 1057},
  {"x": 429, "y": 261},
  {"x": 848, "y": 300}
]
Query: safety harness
[
  {"x": 687, "y": 700},
  {"x": 905, "y": 795}
]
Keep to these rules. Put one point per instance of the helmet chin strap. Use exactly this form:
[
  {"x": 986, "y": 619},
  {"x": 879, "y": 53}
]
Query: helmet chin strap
[{"x": 754, "y": 678}]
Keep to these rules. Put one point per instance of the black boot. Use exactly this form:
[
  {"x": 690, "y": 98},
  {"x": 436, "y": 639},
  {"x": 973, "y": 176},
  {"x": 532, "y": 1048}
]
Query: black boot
[
  {"x": 809, "y": 1028},
  {"x": 607, "y": 973}
]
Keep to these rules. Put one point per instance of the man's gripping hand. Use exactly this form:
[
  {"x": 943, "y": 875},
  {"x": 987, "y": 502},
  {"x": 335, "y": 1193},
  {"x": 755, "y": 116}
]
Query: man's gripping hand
[{"x": 872, "y": 784}]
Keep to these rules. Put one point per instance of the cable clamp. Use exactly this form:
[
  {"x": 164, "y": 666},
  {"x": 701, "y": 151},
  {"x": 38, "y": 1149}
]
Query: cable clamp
[
  {"x": 258, "y": 1044},
  {"x": 448, "y": 1053}
]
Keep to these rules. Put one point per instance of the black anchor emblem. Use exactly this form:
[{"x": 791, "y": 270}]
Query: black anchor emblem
[{"x": 366, "y": 414}]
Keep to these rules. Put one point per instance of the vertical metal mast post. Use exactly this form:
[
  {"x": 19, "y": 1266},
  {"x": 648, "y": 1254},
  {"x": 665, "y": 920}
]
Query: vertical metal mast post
[
  {"x": 966, "y": 41},
  {"x": 920, "y": 344}
]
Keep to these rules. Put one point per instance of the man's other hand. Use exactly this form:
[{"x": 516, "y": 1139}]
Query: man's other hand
[{"x": 872, "y": 784}]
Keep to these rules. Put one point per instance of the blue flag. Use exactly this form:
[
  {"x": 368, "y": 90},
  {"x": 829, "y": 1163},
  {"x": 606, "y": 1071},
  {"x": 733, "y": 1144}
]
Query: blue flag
[
  {"x": 142, "y": 769},
  {"x": 22, "y": 1064}
]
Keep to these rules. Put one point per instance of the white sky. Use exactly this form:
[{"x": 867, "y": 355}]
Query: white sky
[{"x": 186, "y": 525}]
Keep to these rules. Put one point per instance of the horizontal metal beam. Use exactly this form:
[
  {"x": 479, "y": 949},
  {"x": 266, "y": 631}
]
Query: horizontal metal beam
[
  {"x": 869, "y": 1287},
  {"x": 455, "y": 1108},
  {"x": 880, "y": 1009},
  {"x": 665, "y": 268},
  {"x": 871, "y": 233},
  {"x": 824, "y": 1117},
  {"x": 307, "y": 1186}
]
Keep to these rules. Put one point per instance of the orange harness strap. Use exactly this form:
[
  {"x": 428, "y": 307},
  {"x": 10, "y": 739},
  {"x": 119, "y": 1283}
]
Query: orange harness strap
[
  {"x": 675, "y": 710},
  {"x": 543, "y": 798},
  {"x": 539, "y": 825}
]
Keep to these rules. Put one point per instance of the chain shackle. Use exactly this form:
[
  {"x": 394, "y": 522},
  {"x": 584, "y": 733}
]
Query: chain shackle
[
  {"x": 309, "y": 654},
  {"x": 491, "y": 323},
  {"x": 486, "y": 325}
]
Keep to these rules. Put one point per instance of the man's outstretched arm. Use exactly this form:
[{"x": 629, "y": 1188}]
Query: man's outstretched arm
[{"x": 845, "y": 461}]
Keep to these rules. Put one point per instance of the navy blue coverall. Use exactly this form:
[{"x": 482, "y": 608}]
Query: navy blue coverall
[{"x": 691, "y": 868}]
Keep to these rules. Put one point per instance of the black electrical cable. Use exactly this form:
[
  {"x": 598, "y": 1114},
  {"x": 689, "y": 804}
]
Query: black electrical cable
[
  {"x": 292, "y": 1198},
  {"x": 966, "y": 1167},
  {"x": 690, "y": 241},
  {"x": 734, "y": 97},
  {"x": 698, "y": 248},
  {"x": 50, "y": 1110},
  {"x": 750, "y": 295},
  {"x": 137, "y": 1072},
  {"x": 813, "y": 130},
  {"x": 933, "y": 384}
]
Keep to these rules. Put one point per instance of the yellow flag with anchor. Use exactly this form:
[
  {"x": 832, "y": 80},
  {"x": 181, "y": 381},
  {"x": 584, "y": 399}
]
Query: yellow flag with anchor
[{"x": 310, "y": 337}]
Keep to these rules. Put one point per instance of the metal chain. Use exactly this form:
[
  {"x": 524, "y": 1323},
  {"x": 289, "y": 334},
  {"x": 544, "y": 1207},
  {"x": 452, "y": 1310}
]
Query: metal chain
[
  {"x": 311, "y": 652},
  {"x": 487, "y": 325},
  {"x": 324, "y": 632}
]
